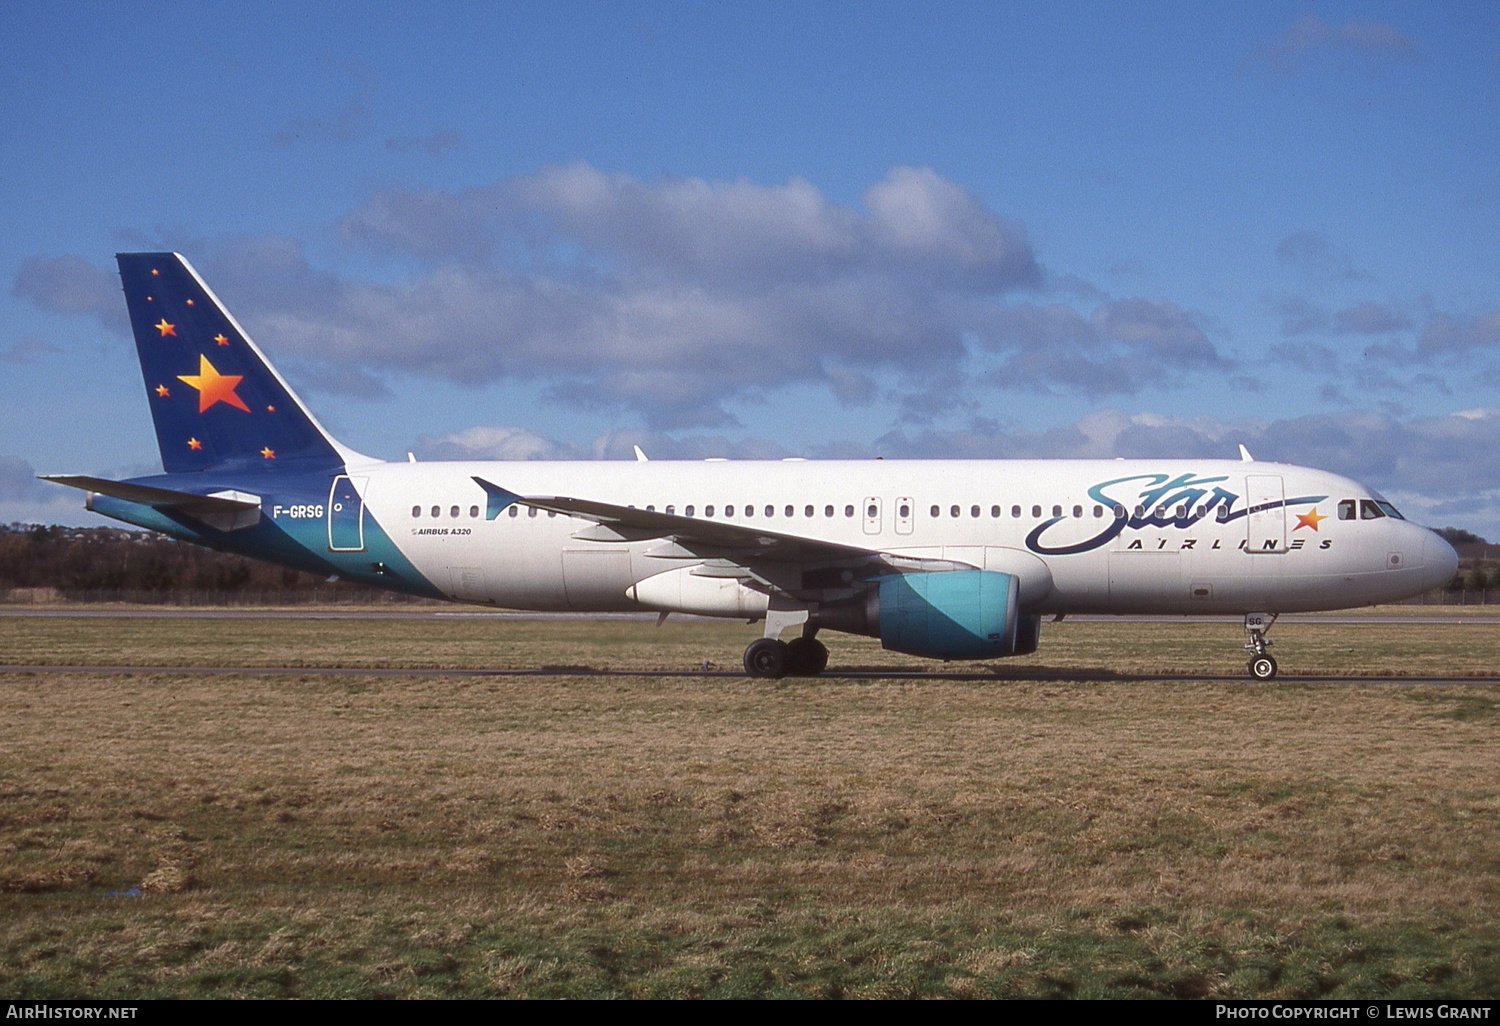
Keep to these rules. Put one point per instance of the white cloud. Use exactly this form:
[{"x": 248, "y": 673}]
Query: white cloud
[
  {"x": 494, "y": 443},
  {"x": 26, "y": 500},
  {"x": 678, "y": 299},
  {"x": 72, "y": 285},
  {"x": 1310, "y": 37},
  {"x": 1370, "y": 319}
]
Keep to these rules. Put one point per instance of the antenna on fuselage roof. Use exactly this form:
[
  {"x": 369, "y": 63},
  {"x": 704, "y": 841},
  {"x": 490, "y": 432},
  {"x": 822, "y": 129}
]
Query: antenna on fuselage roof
[
  {"x": 1245, "y": 456},
  {"x": 640, "y": 457}
]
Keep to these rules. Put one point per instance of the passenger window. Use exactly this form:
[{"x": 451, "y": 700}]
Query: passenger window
[
  {"x": 903, "y": 513},
  {"x": 770, "y": 511},
  {"x": 1223, "y": 514},
  {"x": 453, "y": 512},
  {"x": 749, "y": 510},
  {"x": 791, "y": 511},
  {"x": 708, "y": 511},
  {"x": 872, "y": 511},
  {"x": 651, "y": 509},
  {"x": 670, "y": 510},
  {"x": 1057, "y": 511},
  {"x": 1346, "y": 509},
  {"x": 994, "y": 512},
  {"x": 437, "y": 511},
  {"x": 416, "y": 511},
  {"x": 1182, "y": 512},
  {"x": 1098, "y": 512},
  {"x": 531, "y": 512},
  {"x": 1036, "y": 511},
  {"x": 828, "y": 511},
  {"x": 1077, "y": 512},
  {"x": 1140, "y": 512},
  {"x": 936, "y": 512},
  {"x": 849, "y": 511},
  {"x": 729, "y": 511},
  {"x": 807, "y": 512},
  {"x": 687, "y": 511},
  {"x": 515, "y": 510},
  {"x": 1119, "y": 512},
  {"x": 1370, "y": 510},
  {"x": 953, "y": 511},
  {"x": 473, "y": 512},
  {"x": 973, "y": 511},
  {"x": 1015, "y": 511}
]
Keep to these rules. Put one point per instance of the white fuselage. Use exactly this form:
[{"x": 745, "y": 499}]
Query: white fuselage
[{"x": 1104, "y": 536}]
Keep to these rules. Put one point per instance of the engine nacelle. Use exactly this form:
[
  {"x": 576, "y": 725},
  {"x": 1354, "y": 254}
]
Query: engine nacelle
[
  {"x": 684, "y": 591},
  {"x": 946, "y": 614}
]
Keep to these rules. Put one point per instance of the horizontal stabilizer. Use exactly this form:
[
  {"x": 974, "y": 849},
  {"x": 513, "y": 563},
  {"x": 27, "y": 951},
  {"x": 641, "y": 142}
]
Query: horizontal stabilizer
[
  {"x": 225, "y": 510},
  {"x": 162, "y": 498}
]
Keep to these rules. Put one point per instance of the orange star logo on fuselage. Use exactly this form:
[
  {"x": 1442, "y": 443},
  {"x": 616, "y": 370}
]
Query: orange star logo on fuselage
[{"x": 1309, "y": 519}]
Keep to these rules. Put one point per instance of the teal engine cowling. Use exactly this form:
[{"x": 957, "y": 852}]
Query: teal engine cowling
[
  {"x": 944, "y": 614},
  {"x": 955, "y": 614}
]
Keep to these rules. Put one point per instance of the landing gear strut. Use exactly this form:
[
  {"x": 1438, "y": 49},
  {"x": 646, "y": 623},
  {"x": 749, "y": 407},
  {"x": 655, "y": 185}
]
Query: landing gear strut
[
  {"x": 770, "y": 657},
  {"x": 1262, "y": 664}
]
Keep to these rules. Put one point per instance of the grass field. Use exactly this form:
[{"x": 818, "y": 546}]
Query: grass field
[{"x": 1065, "y": 826}]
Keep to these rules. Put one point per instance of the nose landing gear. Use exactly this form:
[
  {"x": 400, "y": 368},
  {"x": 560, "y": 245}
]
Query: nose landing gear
[{"x": 1262, "y": 663}]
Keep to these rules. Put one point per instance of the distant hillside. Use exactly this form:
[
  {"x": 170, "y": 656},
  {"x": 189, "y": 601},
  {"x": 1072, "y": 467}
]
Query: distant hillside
[
  {"x": 1469, "y": 545},
  {"x": 90, "y": 562}
]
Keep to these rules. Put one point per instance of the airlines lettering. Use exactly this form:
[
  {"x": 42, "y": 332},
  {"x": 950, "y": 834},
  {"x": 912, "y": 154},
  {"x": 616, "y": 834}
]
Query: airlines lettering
[
  {"x": 1191, "y": 545},
  {"x": 1161, "y": 501}
]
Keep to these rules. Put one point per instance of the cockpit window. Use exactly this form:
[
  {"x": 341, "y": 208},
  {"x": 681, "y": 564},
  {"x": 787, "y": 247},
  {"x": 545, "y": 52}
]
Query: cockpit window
[
  {"x": 1390, "y": 510},
  {"x": 1369, "y": 509},
  {"x": 1346, "y": 509}
]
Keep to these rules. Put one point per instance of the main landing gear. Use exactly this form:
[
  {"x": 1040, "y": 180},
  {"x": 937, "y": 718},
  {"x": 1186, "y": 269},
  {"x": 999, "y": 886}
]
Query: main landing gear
[
  {"x": 771, "y": 657},
  {"x": 1262, "y": 664}
]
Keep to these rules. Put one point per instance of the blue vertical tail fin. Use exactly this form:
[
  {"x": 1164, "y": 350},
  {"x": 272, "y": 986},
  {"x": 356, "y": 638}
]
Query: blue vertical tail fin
[{"x": 216, "y": 400}]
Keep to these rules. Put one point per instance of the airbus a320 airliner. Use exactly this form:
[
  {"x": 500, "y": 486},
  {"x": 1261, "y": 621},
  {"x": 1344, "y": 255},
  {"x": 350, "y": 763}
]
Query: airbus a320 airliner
[{"x": 945, "y": 559}]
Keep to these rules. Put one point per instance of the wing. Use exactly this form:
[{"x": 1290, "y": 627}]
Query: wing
[{"x": 700, "y": 538}]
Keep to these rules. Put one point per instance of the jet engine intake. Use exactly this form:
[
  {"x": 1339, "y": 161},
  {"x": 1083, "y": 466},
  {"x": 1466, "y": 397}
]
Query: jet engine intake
[{"x": 947, "y": 614}]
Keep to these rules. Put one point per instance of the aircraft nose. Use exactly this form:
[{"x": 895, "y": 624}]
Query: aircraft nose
[{"x": 1439, "y": 562}]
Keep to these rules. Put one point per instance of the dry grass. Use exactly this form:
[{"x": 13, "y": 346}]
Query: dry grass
[
  {"x": 1104, "y": 648},
  {"x": 180, "y": 834}
]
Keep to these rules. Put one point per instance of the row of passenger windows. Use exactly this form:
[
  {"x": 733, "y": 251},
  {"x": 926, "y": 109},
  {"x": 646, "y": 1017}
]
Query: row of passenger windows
[
  {"x": 437, "y": 511},
  {"x": 904, "y": 511},
  {"x": 1349, "y": 509}
]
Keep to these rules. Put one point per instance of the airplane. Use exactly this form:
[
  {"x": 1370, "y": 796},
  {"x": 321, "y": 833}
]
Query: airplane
[{"x": 942, "y": 559}]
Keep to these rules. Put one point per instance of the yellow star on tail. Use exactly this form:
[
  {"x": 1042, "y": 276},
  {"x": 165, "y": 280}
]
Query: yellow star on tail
[{"x": 213, "y": 387}]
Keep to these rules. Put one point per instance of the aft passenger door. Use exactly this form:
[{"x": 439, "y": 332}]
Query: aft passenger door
[{"x": 346, "y": 515}]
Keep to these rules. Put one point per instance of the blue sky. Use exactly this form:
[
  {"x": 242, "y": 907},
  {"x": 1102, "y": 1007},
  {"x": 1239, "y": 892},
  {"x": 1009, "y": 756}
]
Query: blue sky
[{"x": 765, "y": 229}]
